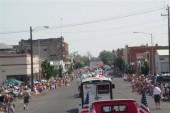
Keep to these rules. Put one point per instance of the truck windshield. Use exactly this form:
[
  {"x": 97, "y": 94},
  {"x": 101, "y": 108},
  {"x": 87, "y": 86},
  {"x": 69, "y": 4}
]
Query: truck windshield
[
  {"x": 103, "y": 88},
  {"x": 114, "y": 108}
]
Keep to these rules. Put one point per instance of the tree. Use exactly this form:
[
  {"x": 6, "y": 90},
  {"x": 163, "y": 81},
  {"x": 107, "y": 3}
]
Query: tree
[
  {"x": 70, "y": 69},
  {"x": 44, "y": 67},
  {"x": 106, "y": 57},
  {"x": 130, "y": 69},
  {"x": 60, "y": 71},
  {"x": 85, "y": 61},
  {"x": 119, "y": 62},
  {"x": 48, "y": 70},
  {"x": 54, "y": 72},
  {"x": 78, "y": 65},
  {"x": 145, "y": 68}
]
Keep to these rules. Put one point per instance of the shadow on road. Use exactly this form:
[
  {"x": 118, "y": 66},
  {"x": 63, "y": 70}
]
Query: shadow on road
[
  {"x": 74, "y": 96},
  {"x": 75, "y": 110}
]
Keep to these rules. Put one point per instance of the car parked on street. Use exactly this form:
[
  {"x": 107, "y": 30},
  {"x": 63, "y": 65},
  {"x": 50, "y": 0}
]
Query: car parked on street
[
  {"x": 115, "y": 106},
  {"x": 164, "y": 78}
]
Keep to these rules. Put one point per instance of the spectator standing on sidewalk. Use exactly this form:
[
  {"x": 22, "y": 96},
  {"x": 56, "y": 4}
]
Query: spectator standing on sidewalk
[
  {"x": 11, "y": 104},
  {"x": 26, "y": 96},
  {"x": 2, "y": 100},
  {"x": 157, "y": 96},
  {"x": 133, "y": 83}
]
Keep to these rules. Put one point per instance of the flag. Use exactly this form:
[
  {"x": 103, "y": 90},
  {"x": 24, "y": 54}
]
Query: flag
[
  {"x": 144, "y": 104},
  {"x": 86, "y": 107}
]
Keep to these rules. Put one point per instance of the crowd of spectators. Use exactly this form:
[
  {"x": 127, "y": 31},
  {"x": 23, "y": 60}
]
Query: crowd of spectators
[
  {"x": 8, "y": 96},
  {"x": 146, "y": 83}
]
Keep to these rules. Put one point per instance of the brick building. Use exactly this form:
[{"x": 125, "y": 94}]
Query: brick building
[{"x": 137, "y": 54}]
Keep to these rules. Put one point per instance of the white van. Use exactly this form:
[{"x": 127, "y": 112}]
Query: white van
[{"x": 95, "y": 89}]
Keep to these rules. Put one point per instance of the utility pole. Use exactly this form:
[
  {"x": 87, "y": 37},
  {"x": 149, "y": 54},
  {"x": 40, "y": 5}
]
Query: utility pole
[
  {"x": 169, "y": 36},
  {"x": 168, "y": 32},
  {"x": 39, "y": 59},
  {"x": 32, "y": 82},
  {"x": 31, "y": 44}
]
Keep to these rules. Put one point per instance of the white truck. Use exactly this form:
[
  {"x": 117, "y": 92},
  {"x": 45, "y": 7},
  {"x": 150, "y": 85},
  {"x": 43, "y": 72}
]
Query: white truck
[{"x": 94, "y": 89}]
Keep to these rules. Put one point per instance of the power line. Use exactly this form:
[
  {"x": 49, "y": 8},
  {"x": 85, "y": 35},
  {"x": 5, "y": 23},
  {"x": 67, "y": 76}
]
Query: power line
[
  {"x": 121, "y": 27},
  {"x": 93, "y": 21},
  {"x": 13, "y": 32},
  {"x": 22, "y": 31},
  {"x": 110, "y": 35},
  {"x": 112, "y": 18},
  {"x": 104, "y": 36}
]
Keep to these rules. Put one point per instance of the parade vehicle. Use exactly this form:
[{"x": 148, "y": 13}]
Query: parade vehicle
[
  {"x": 115, "y": 106},
  {"x": 94, "y": 89}
]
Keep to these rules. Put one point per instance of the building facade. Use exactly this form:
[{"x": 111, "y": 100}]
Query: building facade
[
  {"x": 162, "y": 61},
  {"x": 52, "y": 49},
  {"x": 136, "y": 55},
  {"x": 18, "y": 66}
]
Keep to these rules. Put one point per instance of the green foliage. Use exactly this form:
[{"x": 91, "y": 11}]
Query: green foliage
[
  {"x": 78, "y": 65},
  {"x": 85, "y": 61},
  {"x": 70, "y": 69},
  {"x": 131, "y": 70},
  {"x": 119, "y": 62},
  {"x": 48, "y": 70},
  {"x": 60, "y": 71},
  {"x": 145, "y": 68},
  {"x": 107, "y": 57},
  {"x": 55, "y": 72},
  {"x": 45, "y": 67}
]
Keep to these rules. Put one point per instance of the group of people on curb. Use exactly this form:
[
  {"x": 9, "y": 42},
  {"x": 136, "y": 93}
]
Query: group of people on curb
[
  {"x": 7, "y": 103},
  {"x": 142, "y": 83},
  {"x": 7, "y": 99}
]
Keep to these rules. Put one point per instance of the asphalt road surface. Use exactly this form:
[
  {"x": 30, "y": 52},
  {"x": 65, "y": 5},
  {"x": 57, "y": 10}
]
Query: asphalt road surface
[
  {"x": 65, "y": 99},
  {"x": 123, "y": 90},
  {"x": 62, "y": 100}
]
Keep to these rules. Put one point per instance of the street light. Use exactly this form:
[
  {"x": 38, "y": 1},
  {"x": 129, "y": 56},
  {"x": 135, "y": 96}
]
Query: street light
[
  {"x": 152, "y": 48},
  {"x": 31, "y": 30}
]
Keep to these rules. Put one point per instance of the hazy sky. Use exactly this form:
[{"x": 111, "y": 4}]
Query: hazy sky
[{"x": 87, "y": 25}]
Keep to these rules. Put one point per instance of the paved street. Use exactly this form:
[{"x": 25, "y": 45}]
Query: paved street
[
  {"x": 64, "y": 99},
  {"x": 123, "y": 90},
  {"x": 61, "y": 100}
]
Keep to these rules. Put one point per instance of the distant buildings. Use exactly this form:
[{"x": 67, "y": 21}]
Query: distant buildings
[
  {"x": 15, "y": 61},
  {"x": 136, "y": 55},
  {"x": 52, "y": 49}
]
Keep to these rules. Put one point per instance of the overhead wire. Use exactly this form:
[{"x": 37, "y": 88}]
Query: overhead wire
[
  {"x": 109, "y": 35},
  {"x": 91, "y": 22},
  {"x": 112, "y": 18},
  {"x": 121, "y": 27}
]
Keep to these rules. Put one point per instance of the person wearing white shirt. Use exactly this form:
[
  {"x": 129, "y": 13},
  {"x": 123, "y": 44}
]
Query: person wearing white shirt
[{"x": 157, "y": 96}]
